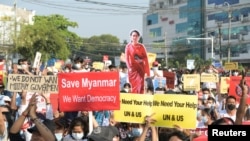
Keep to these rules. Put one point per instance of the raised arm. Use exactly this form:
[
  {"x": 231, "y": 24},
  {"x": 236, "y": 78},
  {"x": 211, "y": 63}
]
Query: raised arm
[{"x": 243, "y": 101}]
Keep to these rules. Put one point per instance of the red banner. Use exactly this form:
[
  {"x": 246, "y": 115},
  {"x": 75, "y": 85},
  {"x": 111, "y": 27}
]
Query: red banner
[
  {"x": 235, "y": 89},
  {"x": 89, "y": 91},
  {"x": 170, "y": 76}
]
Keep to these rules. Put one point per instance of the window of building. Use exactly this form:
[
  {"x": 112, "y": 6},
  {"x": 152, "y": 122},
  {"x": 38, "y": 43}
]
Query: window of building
[
  {"x": 152, "y": 19},
  {"x": 155, "y": 32}
]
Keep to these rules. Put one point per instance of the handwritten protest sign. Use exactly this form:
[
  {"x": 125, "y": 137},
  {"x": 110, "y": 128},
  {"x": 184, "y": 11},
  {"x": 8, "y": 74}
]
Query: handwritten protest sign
[
  {"x": 191, "y": 82},
  {"x": 98, "y": 65},
  {"x": 231, "y": 66},
  {"x": 32, "y": 83},
  {"x": 89, "y": 91},
  {"x": 169, "y": 109},
  {"x": 205, "y": 77},
  {"x": 235, "y": 88}
]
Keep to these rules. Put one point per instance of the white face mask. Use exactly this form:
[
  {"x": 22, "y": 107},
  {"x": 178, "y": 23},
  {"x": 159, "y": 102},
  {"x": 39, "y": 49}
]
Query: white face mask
[
  {"x": 126, "y": 90},
  {"x": 155, "y": 68},
  {"x": 205, "y": 96},
  {"x": 24, "y": 66},
  {"x": 67, "y": 70},
  {"x": 209, "y": 105},
  {"x": 78, "y": 66},
  {"x": 59, "y": 136},
  {"x": 77, "y": 136},
  {"x": 235, "y": 73},
  {"x": 209, "y": 71}
]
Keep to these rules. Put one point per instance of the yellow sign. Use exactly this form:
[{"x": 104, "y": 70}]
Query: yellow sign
[
  {"x": 191, "y": 82},
  {"x": 224, "y": 84},
  {"x": 98, "y": 65},
  {"x": 151, "y": 59},
  {"x": 231, "y": 66},
  {"x": 170, "y": 109},
  {"x": 209, "y": 77}
]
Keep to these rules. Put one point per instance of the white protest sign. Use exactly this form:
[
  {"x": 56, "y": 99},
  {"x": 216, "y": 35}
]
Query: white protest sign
[
  {"x": 37, "y": 60},
  {"x": 190, "y": 64}
]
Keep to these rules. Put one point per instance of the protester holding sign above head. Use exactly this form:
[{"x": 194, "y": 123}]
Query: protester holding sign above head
[{"x": 137, "y": 63}]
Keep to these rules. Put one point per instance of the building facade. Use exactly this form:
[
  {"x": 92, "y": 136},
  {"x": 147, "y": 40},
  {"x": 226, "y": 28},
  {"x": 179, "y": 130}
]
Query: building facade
[
  {"x": 212, "y": 29},
  {"x": 11, "y": 19}
]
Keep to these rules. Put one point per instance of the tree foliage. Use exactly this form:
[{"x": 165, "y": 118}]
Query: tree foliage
[
  {"x": 48, "y": 35},
  {"x": 97, "y": 46}
]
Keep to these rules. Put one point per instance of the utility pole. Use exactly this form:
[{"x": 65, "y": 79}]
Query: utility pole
[
  {"x": 229, "y": 30},
  {"x": 219, "y": 26},
  {"x": 15, "y": 23},
  {"x": 166, "y": 49}
]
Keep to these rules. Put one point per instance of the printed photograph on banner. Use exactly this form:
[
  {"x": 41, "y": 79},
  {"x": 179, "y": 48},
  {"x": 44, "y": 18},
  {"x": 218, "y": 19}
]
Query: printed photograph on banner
[
  {"x": 169, "y": 109},
  {"x": 32, "y": 83},
  {"x": 224, "y": 85},
  {"x": 159, "y": 85},
  {"x": 95, "y": 91},
  {"x": 191, "y": 82},
  {"x": 235, "y": 89}
]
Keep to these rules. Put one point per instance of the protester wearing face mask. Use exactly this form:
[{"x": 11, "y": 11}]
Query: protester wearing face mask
[
  {"x": 78, "y": 130},
  {"x": 210, "y": 70},
  {"x": 126, "y": 88},
  {"x": 60, "y": 128},
  {"x": 230, "y": 110},
  {"x": 206, "y": 94},
  {"x": 78, "y": 65},
  {"x": 235, "y": 73},
  {"x": 136, "y": 130},
  {"x": 208, "y": 116}
]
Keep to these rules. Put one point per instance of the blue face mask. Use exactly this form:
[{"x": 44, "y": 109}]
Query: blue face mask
[
  {"x": 204, "y": 119},
  {"x": 136, "y": 132},
  {"x": 59, "y": 136}
]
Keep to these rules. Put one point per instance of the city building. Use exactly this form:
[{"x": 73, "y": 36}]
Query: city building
[
  {"x": 212, "y": 29},
  {"x": 11, "y": 19}
]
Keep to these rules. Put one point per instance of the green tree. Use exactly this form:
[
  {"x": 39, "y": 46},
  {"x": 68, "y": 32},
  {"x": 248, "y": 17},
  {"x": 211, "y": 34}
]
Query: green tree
[
  {"x": 97, "y": 46},
  {"x": 48, "y": 35}
]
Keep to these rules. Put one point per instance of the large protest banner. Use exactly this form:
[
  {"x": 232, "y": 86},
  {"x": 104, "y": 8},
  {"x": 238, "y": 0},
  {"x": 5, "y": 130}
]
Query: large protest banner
[
  {"x": 32, "y": 83},
  {"x": 170, "y": 109},
  {"x": 89, "y": 91},
  {"x": 235, "y": 88}
]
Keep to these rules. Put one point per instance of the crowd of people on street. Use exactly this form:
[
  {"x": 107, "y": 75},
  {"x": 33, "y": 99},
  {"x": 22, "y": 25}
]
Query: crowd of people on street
[{"x": 21, "y": 121}]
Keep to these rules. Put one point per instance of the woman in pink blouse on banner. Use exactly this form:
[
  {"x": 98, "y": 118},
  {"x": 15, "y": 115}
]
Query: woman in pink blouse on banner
[{"x": 137, "y": 63}]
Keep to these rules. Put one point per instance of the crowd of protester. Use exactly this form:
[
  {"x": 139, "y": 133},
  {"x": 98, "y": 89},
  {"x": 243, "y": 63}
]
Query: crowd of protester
[{"x": 20, "y": 121}]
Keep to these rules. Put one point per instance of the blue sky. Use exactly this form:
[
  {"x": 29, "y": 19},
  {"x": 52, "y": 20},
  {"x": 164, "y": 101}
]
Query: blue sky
[{"x": 94, "y": 17}]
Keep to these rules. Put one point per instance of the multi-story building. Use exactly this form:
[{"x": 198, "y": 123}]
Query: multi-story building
[
  {"x": 217, "y": 29},
  {"x": 11, "y": 19}
]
